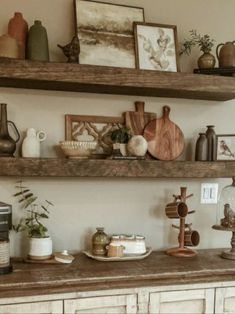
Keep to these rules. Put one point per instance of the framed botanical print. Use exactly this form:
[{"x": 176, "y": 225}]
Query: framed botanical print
[
  {"x": 156, "y": 47},
  {"x": 106, "y": 33}
]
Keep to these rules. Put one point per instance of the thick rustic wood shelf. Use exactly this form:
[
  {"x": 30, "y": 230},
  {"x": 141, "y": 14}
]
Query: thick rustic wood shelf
[
  {"x": 49, "y": 167},
  {"x": 109, "y": 80}
]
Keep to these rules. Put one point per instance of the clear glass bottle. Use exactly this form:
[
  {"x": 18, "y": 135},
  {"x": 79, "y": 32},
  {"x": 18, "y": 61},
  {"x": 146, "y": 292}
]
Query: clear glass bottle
[{"x": 99, "y": 242}]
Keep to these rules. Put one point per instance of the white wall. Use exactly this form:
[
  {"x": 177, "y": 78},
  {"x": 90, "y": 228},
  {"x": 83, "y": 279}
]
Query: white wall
[{"x": 120, "y": 205}]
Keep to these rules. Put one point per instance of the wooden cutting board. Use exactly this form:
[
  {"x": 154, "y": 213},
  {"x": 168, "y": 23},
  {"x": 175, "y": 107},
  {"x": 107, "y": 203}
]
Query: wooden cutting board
[
  {"x": 137, "y": 120},
  {"x": 165, "y": 139}
]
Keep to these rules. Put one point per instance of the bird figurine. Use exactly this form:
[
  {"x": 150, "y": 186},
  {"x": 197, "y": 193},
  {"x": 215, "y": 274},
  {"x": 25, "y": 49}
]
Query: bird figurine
[
  {"x": 225, "y": 150},
  {"x": 72, "y": 50}
]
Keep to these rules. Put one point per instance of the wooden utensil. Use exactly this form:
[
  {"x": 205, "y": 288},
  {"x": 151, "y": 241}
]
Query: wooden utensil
[
  {"x": 165, "y": 139},
  {"x": 137, "y": 120}
]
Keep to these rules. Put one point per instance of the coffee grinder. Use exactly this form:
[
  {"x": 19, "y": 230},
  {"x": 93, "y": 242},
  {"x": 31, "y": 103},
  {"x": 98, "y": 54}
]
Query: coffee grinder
[{"x": 5, "y": 227}]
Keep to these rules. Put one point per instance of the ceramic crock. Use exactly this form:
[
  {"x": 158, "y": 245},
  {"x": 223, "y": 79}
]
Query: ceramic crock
[{"x": 40, "y": 248}]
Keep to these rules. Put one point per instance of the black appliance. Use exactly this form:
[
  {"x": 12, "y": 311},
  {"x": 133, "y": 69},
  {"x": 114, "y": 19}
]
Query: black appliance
[{"x": 5, "y": 227}]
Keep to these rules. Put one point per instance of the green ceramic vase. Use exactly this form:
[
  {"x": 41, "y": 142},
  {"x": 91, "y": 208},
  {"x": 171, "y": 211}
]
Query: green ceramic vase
[{"x": 37, "y": 46}]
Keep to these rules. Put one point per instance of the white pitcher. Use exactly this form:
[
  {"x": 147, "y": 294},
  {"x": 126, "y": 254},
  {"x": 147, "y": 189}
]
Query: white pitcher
[{"x": 31, "y": 143}]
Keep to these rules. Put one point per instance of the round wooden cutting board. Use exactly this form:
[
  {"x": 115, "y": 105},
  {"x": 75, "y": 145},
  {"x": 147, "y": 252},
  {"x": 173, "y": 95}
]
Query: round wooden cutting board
[{"x": 165, "y": 139}]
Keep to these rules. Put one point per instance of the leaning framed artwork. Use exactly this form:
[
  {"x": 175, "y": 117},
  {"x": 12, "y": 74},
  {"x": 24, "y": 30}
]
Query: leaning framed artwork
[
  {"x": 93, "y": 129},
  {"x": 106, "y": 33},
  {"x": 156, "y": 47},
  {"x": 225, "y": 147}
]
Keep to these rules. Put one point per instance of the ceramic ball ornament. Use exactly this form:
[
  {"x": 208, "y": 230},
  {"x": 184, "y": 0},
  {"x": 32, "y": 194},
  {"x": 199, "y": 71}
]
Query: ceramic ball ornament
[{"x": 137, "y": 146}]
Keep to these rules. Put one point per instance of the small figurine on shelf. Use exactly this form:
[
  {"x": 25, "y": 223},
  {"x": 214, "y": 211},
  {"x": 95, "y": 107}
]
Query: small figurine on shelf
[
  {"x": 187, "y": 237},
  {"x": 72, "y": 50}
]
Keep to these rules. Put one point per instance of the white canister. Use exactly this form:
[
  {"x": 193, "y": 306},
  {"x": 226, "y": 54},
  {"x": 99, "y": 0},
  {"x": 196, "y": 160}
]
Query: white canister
[
  {"x": 31, "y": 143},
  {"x": 40, "y": 248}
]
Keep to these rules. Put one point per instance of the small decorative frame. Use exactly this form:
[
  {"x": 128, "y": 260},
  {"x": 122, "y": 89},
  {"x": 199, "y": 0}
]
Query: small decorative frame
[
  {"x": 105, "y": 31},
  {"x": 94, "y": 129},
  {"x": 225, "y": 147},
  {"x": 156, "y": 47}
]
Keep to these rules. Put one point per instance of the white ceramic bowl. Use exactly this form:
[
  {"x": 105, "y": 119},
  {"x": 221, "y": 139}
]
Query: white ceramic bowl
[{"x": 78, "y": 149}]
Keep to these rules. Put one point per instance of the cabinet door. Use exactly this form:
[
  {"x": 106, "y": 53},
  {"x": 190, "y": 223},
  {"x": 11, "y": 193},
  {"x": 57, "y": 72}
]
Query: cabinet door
[
  {"x": 225, "y": 301},
  {"x": 119, "y": 304},
  {"x": 182, "y": 302},
  {"x": 53, "y": 307}
]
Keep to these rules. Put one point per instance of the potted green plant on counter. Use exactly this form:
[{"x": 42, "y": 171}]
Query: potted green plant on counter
[
  {"x": 40, "y": 243},
  {"x": 205, "y": 44},
  {"x": 120, "y": 137}
]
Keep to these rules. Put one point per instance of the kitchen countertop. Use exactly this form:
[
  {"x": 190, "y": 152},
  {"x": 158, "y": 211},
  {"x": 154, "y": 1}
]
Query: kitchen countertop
[{"x": 85, "y": 274}]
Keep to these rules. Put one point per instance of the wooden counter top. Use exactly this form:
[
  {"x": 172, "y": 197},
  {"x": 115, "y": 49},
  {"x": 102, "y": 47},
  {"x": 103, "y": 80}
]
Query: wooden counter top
[{"x": 85, "y": 274}]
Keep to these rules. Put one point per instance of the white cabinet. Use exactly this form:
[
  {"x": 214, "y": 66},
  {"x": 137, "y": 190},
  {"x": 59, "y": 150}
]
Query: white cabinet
[
  {"x": 225, "y": 301},
  {"x": 52, "y": 307},
  {"x": 120, "y": 304},
  {"x": 200, "y": 301}
]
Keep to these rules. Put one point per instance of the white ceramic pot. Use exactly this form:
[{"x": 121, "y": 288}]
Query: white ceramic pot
[
  {"x": 31, "y": 143},
  {"x": 40, "y": 248},
  {"x": 137, "y": 146},
  {"x": 121, "y": 147}
]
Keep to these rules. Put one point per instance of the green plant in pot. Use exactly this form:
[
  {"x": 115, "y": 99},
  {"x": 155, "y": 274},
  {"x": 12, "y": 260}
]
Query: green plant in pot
[
  {"x": 205, "y": 44},
  {"x": 120, "y": 137},
  {"x": 40, "y": 243}
]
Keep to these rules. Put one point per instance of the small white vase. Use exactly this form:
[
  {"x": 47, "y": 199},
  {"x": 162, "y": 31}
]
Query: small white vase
[
  {"x": 121, "y": 147},
  {"x": 31, "y": 143},
  {"x": 137, "y": 146},
  {"x": 40, "y": 248}
]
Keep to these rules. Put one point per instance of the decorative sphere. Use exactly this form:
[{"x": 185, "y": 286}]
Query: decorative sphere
[{"x": 137, "y": 146}]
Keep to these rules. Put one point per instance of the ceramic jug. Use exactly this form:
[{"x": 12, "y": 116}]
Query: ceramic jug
[
  {"x": 201, "y": 153},
  {"x": 7, "y": 143},
  {"x": 226, "y": 54},
  {"x": 9, "y": 47},
  {"x": 18, "y": 29},
  {"x": 31, "y": 143},
  {"x": 37, "y": 44}
]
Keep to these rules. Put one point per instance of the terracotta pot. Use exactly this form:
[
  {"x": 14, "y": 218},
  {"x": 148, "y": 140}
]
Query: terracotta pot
[
  {"x": 9, "y": 47},
  {"x": 18, "y": 29},
  {"x": 226, "y": 54},
  {"x": 206, "y": 61}
]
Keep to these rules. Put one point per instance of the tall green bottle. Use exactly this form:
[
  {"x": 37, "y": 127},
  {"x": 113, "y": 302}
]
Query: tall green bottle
[{"x": 37, "y": 45}]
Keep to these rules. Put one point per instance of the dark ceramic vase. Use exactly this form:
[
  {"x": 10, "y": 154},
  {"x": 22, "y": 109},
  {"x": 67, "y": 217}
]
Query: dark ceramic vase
[
  {"x": 37, "y": 45},
  {"x": 211, "y": 143},
  {"x": 7, "y": 144},
  {"x": 18, "y": 29},
  {"x": 201, "y": 148}
]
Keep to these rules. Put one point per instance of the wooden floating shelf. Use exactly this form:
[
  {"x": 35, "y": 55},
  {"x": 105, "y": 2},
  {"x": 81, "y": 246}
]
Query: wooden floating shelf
[
  {"x": 109, "y": 80},
  {"x": 49, "y": 167}
]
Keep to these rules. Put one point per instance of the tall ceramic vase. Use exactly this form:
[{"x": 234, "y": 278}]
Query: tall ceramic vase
[
  {"x": 18, "y": 29},
  {"x": 37, "y": 45}
]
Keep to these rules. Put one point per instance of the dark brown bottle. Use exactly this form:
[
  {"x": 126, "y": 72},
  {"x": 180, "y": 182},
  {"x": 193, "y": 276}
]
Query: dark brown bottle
[
  {"x": 7, "y": 144},
  {"x": 201, "y": 148},
  {"x": 211, "y": 142}
]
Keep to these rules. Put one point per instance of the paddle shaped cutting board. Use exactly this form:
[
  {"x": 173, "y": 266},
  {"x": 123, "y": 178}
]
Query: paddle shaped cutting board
[
  {"x": 165, "y": 139},
  {"x": 137, "y": 120}
]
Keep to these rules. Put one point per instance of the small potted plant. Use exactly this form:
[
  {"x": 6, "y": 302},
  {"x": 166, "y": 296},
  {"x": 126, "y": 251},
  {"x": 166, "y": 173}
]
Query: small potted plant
[
  {"x": 205, "y": 44},
  {"x": 120, "y": 137},
  {"x": 40, "y": 243}
]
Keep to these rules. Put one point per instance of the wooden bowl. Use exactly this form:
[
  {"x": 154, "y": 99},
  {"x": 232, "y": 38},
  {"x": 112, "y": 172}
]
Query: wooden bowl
[{"x": 73, "y": 149}]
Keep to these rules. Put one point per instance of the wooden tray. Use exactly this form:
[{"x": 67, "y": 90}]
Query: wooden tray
[{"x": 130, "y": 257}]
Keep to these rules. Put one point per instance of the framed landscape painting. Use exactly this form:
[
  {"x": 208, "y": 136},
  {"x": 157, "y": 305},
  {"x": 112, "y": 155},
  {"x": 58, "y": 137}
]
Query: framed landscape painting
[
  {"x": 156, "y": 47},
  {"x": 106, "y": 33}
]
